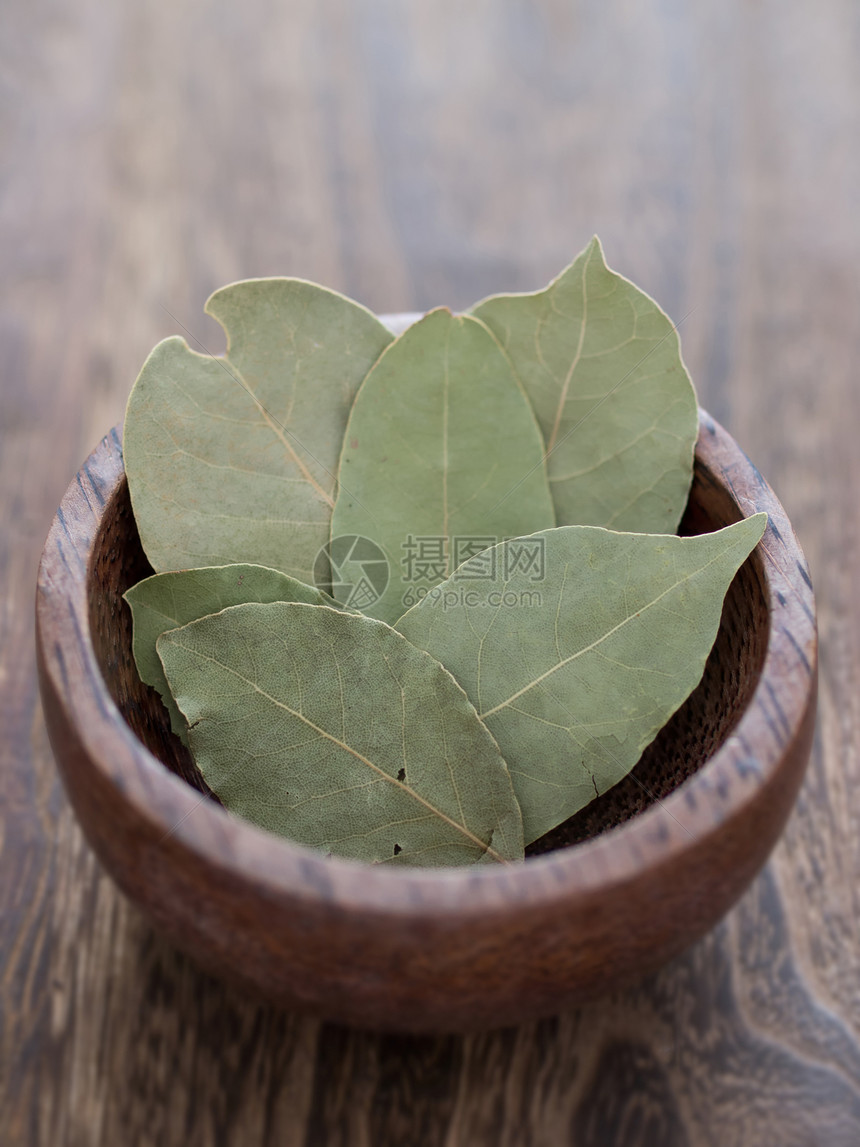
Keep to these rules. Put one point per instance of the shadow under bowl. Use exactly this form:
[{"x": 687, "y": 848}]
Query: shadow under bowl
[{"x": 606, "y": 898}]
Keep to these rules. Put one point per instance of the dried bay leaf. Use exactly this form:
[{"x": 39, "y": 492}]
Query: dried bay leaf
[
  {"x": 575, "y": 684},
  {"x": 443, "y": 451},
  {"x": 169, "y": 600},
  {"x": 602, "y": 366},
  {"x": 331, "y": 729},
  {"x": 234, "y": 459}
]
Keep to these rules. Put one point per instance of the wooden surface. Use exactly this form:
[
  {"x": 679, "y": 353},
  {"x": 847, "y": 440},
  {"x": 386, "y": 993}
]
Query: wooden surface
[
  {"x": 411, "y": 154},
  {"x": 414, "y": 950}
]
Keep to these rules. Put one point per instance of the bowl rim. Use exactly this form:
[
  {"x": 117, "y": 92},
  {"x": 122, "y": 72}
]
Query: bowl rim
[{"x": 178, "y": 815}]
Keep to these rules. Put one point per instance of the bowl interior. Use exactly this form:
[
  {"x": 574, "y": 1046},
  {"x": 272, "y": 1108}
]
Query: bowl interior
[{"x": 696, "y": 731}]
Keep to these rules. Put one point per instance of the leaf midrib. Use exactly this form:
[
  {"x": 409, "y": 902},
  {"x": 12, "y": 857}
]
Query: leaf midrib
[
  {"x": 486, "y": 848},
  {"x": 446, "y": 384},
  {"x": 594, "y": 645},
  {"x": 280, "y": 433},
  {"x": 562, "y": 401}
]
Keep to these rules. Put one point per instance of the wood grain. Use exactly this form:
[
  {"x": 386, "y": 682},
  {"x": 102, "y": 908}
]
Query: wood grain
[
  {"x": 414, "y": 950},
  {"x": 411, "y": 155}
]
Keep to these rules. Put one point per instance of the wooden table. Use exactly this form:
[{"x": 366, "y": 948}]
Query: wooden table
[{"x": 415, "y": 154}]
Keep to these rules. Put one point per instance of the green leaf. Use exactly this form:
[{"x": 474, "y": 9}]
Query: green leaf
[
  {"x": 575, "y": 672},
  {"x": 442, "y": 452},
  {"x": 234, "y": 459},
  {"x": 602, "y": 366},
  {"x": 166, "y": 601},
  {"x": 331, "y": 729}
]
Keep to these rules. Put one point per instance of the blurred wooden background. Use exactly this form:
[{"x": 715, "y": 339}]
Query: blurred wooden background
[{"x": 412, "y": 154}]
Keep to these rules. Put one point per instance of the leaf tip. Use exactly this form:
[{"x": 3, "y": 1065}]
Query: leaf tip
[
  {"x": 761, "y": 519},
  {"x": 595, "y": 249}
]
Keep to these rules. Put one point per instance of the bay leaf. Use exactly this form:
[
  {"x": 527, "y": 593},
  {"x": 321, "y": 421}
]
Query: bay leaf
[
  {"x": 169, "y": 600},
  {"x": 331, "y": 729},
  {"x": 234, "y": 459},
  {"x": 575, "y": 663},
  {"x": 601, "y": 364},
  {"x": 443, "y": 452}
]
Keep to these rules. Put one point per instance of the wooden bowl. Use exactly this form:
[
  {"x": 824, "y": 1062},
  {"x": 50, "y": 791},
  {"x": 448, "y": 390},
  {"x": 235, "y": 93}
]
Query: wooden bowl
[{"x": 608, "y": 897}]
